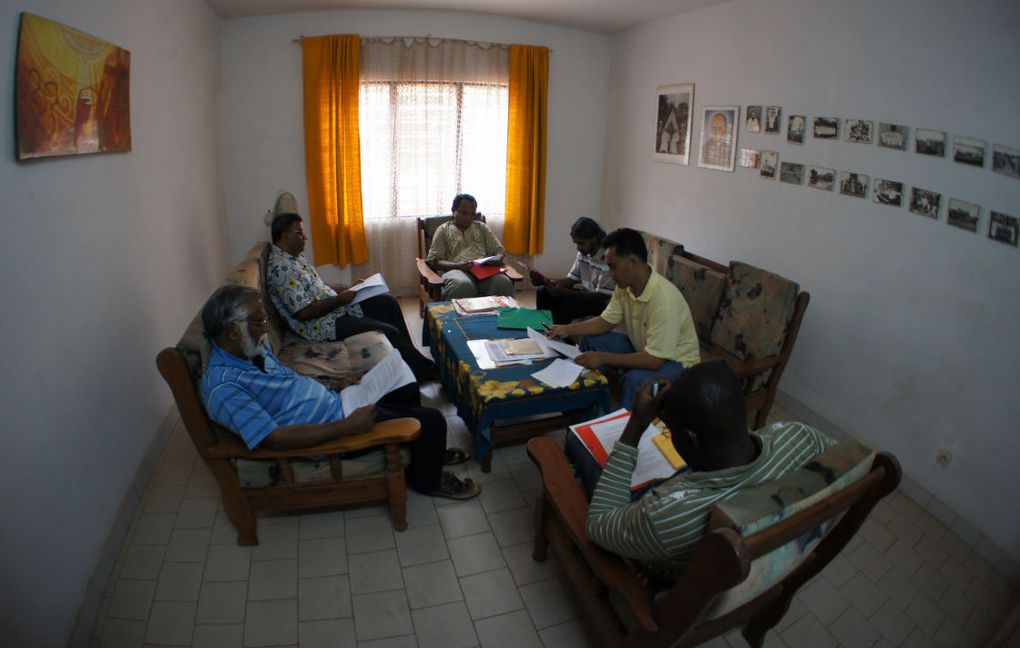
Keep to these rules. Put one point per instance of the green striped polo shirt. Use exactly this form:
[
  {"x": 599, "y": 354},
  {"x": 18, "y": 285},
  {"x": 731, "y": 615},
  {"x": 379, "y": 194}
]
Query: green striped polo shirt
[{"x": 665, "y": 525}]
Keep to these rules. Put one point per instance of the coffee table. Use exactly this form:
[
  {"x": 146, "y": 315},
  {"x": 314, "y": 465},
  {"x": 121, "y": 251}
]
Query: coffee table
[{"x": 506, "y": 404}]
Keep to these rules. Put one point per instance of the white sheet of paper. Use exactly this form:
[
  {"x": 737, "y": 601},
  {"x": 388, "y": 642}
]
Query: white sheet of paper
[
  {"x": 374, "y": 280},
  {"x": 651, "y": 464},
  {"x": 390, "y": 373},
  {"x": 568, "y": 350},
  {"x": 559, "y": 373},
  {"x": 481, "y": 354}
]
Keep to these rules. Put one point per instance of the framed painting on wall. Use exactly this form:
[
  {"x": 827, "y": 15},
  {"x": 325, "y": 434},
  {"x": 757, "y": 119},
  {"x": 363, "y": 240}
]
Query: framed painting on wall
[
  {"x": 72, "y": 92},
  {"x": 718, "y": 137},
  {"x": 673, "y": 123}
]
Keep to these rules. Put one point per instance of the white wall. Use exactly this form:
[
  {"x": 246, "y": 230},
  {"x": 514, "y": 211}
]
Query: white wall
[
  {"x": 104, "y": 260},
  {"x": 910, "y": 341},
  {"x": 261, "y": 115}
]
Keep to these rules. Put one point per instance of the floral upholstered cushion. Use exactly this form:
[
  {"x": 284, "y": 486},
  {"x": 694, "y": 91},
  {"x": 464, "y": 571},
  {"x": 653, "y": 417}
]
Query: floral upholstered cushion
[
  {"x": 327, "y": 360},
  {"x": 754, "y": 312},
  {"x": 262, "y": 474},
  {"x": 754, "y": 509},
  {"x": 702, "y": 288}
]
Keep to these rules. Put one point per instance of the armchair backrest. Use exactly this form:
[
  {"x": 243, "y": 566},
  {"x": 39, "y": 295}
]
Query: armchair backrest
[{"x": 427, "y": 226}]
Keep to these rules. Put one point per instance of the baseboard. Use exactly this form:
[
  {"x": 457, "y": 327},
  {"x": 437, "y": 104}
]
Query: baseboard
[
  {"x": 915, "y": 490},
  {"x": 103, "y": 568}
]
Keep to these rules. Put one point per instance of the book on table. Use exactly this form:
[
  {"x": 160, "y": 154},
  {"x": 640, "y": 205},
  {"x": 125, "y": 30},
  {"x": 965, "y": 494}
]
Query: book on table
[
  {"x": 657, "y": 458},
  {"x": 483, "y": 305}
]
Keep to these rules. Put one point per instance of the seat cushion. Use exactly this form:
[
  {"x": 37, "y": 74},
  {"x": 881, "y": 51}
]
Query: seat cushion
[
  {"x": 754, "y": 312},
  {"x": 328, "y": 360},
  {"x": 702, "y": 287},
  {"x": 254, "y": 473}
]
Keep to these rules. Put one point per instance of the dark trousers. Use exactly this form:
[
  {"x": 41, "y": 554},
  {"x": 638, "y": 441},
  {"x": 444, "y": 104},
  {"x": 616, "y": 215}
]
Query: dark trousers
[
  {"x": 382, "y": 313},
  {"x": 568, "y": 308},
  {"x": 429, "y": 449}
]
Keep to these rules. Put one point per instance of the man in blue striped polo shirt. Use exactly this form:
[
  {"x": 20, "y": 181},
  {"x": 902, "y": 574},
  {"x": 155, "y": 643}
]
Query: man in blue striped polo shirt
[{"x": 246, "y": 389}]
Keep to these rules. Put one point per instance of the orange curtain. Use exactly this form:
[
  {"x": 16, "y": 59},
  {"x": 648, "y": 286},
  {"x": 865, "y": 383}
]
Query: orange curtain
[
  {"x": 330, "y": 66},
  {"x": 525, "y": 149}
]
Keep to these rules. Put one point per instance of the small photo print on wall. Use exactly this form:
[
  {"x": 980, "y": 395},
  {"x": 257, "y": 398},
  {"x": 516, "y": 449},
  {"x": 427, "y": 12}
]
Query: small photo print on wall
[
  {"x": 1006, "y": 161},
  {"x": 791, "y": 173},
  {"x": 853, "y": 184},
  {"x": 795, "y": 129},
  {"x": 772, "y": 116},
  {"x": 888, "y": 192},
  {"x": 718, "y": 137},
  {"x": 748, "y": 158},
  {"x": 857, "y": 131},
  {"x": 673, "y": 123},
  {"x": 963, "y": 214},
  {"x": 925, "y": 203},
  {"x": 1002, "y": 227},
  {"x": 967, "y": 150},
  {"x": 825, "y": 128},
  {"x": 752, "y": 119},
  {"x": 768, "y": 163},
  {"x": 821, "y": 178},
  {"x": 893, "y": 136},
  {"x": 930, "y": 142}
]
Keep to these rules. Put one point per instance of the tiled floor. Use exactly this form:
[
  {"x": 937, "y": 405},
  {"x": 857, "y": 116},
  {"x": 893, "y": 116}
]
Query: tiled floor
[{"x": 461, "y": 575}]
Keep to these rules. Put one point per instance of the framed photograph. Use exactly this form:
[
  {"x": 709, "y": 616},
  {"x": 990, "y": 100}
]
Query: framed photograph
[
  {"x": 963, "y": 215},
  {"x": 888, "y": 192},
  {"x": 795, "y": 129},
  {"x": 857, "y": 131},
  {"x": 853, "y": 184},
  {"x": 718, "y": 137},
  {"x": 925, "y": 203},
  {"x": 72, "y": 93},
  {"x": 791, "y": 173},
  {"x": 825, "y": 128},
  {"x": 967, "y": 150},
  {"x": 768, "y": 163},
  {"x": 1002, "y": 227},
  {"x": 1006, "y": 161},
  {"x": 752, "y": 119},
  {"x": 821, "y": 178},
  {"x": 749, "y": 158},
  {"x": 773, "y": 114},
  {"x": 893, "y": 136},
  {"x": 673, "y": 123},
  {"x": 930, "y": 142}
]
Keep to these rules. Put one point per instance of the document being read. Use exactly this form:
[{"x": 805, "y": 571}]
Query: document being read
[
  {"x": 374, "y": 285},
  {"x": 390, "y": 373}
]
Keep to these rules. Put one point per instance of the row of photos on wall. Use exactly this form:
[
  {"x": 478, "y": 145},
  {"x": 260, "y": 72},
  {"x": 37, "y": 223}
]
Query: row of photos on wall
[{"x": 718, "y": 150}]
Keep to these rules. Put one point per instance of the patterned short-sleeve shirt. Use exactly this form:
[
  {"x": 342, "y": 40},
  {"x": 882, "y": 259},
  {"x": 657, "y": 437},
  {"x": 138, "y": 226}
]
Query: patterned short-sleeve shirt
[{"x": 293, "y": 283}]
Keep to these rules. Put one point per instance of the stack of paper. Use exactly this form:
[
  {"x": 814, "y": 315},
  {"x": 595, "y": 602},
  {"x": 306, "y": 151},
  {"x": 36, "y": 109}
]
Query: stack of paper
[
  {"x": 483, "y": 305},
  {"x": 374, "y": 285}
]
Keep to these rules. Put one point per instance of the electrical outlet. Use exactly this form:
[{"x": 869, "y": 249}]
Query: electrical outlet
[{"x": 942, "y": 457}]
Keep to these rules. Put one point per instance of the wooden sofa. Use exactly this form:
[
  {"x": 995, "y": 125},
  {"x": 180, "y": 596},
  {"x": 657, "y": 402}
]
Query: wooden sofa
[
  {"x": 265, "y": 480},
  {"x": 745, "y": 316}
]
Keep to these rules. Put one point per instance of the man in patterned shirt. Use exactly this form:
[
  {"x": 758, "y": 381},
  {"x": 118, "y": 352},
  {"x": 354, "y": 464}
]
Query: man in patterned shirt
[
  {"x": 457, "y": 244},
  {"x": 706, "y": 414},
  {"x": 317, "y": 311},
  {"x": 586, "y": 289}
]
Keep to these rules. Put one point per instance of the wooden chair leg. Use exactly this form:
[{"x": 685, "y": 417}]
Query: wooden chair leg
[
  {"x": 396, "y": 487},
  {"x": 235, "y": 503},
  {"x": 755, "y": 630},
  {"x": 541, "y": 550},
  {"x": 487, "y": 460}
]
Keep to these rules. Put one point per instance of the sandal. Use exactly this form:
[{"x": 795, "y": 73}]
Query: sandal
[
  {"x": 451, "y": 487},
  {"x": 454, "y": 457}
]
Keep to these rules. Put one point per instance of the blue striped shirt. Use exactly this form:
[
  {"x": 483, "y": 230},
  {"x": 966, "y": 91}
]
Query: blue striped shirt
[{"x": 252, "y": 403}]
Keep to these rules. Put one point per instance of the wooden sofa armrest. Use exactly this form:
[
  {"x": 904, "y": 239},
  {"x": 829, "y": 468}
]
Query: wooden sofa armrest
[
  {"x": 428, "y": 273},
  {"x": 400, "y": 430},
  {"x": 567, "y": 500}
]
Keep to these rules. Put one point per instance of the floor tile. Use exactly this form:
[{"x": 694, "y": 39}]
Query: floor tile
[
  {"x": 324, "y": 557},
  {"x": 179, "y": 582},
  {"x": 421, "y": 545},
  {"x": 122, "y": 633},
  {"x": 171, "y": 623},
  {"x": 892, "y": 623},
  {"x": 867, "y": 559},
  {"x": 227, "y": 563},
  {"x": 839, "y": 571},
  {"x": 929, "y": 581},
  {"x": 925, "y": 614},
  {"x": 324, "y": 524},
  {"x": 377, "y": 571},
  {"x": 218, "y": 636},
  {"x": 571, "y": 634},
  {"x": 444, "y": 626},
  {"x": 330, "y": 633},
  {"x": 475, "y": 553},
  {"x": 957, "y": 605},
  {"x": 198, "y": 513},
  {"x": 876, "y": 534},
  {"x": 501, "y": 495},
  {"x": 327, "y": 597},
  {"x": 276, "y": 542},
  {"x": 222, "y": 603},
  {"x": 863, "y": 595},
  {"x": 905, "y": 530},
  {"x": 201, "y": 483},
  {"x": 153, "y": 528},
  {"x": 807, "y": 631},
  {"x": 824, "y": 601},
  {"x": 380, "y": 615},
  {"x": 491, "y": 593},
  {"x": 949, "y": 635},
  {"x": 369, "y": 534},
  {"x": 188, "y": 545},
  {"x": 421, "y": 510},
  {"x": 270, "y": 623},
  {"x": 513, "y": 527},
  {"x": 903, "y": 558},
  {"x": 142, "y": 562},
  {"x": 526, "y": 569},
  {"x": 223, "y": 531},
  {"x": 852, "y": 630},
  {"x": 407, "y": 641},
  {"x": 272, "y": 579},
  {"x": 932, "y": 552},
  {"x": 462, "y": 518},
  {"x": 432, "y": 584},
  {"x": 918, "y": 639},
  {"x": 513, "y": 630},
  {"x": 549, "y": 602},
  {"x": 132, "y": 599},
  {"x": 897, "y": 587},
  {"x": 164, "y": 499}
]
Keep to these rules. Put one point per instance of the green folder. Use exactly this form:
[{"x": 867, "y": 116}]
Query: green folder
[{"x": 522, "y": 318}]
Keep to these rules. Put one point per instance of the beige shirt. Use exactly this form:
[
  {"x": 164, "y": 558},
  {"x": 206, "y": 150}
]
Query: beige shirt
[{"x": 449, "y": 243}]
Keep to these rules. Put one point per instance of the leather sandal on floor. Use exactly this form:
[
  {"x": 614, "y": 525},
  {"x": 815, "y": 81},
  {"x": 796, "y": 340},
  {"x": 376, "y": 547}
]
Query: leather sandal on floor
[
  {"x": 454, "y": 457},
  {"x": 451, "y": 487}
]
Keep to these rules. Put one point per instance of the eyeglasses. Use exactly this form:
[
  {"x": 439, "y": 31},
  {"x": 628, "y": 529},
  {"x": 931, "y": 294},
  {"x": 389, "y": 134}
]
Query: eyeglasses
[{"x": 260, "y": 321}]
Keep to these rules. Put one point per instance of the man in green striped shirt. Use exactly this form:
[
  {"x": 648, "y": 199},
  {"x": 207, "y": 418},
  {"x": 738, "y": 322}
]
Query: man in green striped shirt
[{"x": 706, "y": 414}]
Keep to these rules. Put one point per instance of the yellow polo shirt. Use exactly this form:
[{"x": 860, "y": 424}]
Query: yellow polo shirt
[{"x": 657, "y": 321}]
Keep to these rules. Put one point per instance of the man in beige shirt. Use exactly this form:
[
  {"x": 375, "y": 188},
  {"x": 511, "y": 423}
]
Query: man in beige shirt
[{"x": 455, "y": 247}]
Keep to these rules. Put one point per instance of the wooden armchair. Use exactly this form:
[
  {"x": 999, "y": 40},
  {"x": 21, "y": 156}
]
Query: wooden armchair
[
  {"x": 734, "y": 579},
  {"x": 430, "y": 287},
  {"x": 220, "y": 449}
]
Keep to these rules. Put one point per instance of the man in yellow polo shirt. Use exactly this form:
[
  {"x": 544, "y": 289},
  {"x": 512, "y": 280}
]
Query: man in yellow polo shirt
[{"x": 660, "y": 339}]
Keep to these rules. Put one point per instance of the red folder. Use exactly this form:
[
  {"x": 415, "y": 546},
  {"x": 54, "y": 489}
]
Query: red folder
[{"x": 485, "y": 271}]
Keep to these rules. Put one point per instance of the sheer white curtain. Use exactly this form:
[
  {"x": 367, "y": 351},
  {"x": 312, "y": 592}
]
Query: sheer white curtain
[{"x": 433, "y": 124}]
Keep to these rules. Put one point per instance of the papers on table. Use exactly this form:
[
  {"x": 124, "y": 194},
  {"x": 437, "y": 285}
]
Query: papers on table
[
  {"x": 564, "y": 349},
  {"x": 600, "y": 435},
  {"x": 390, "y": 373},
  {"x": 490, "y": 354},
  {"x": 374, "y": 285},
  {"x": 559, "y": 373},
  {"x": 483, "y": 305}
]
